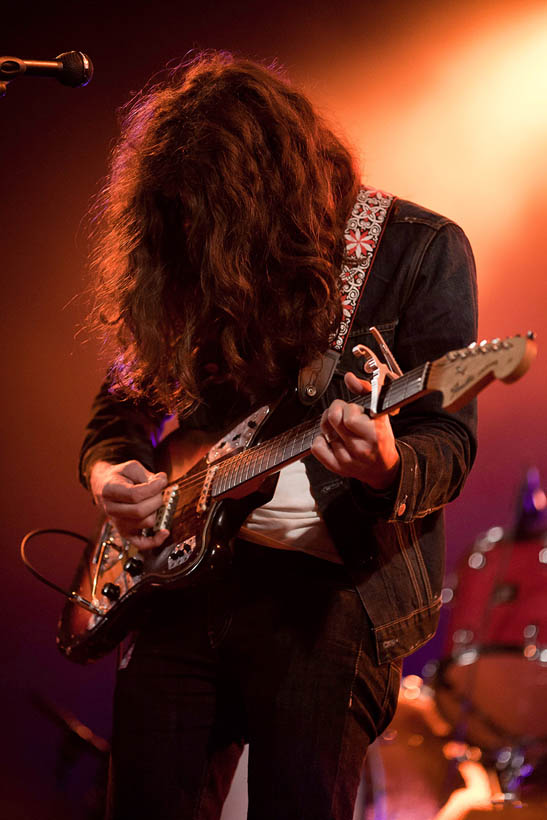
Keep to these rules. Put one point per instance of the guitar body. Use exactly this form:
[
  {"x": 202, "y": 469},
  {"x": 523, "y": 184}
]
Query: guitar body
[{"x": 114, "y": 581}]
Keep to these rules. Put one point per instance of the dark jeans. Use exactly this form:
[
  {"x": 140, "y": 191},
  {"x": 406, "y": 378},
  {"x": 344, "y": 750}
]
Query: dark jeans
[{"x": 278, "y": 653}]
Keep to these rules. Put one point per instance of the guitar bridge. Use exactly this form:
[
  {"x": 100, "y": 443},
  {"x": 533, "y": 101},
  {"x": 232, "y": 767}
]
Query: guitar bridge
[{"x": 164, "y": 516}]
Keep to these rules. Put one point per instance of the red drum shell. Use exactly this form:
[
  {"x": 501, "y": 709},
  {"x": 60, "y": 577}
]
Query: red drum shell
[{"x": 492, "y": 684}]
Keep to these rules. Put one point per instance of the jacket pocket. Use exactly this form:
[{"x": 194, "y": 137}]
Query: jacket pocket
[{"x": 403, "y": 636}]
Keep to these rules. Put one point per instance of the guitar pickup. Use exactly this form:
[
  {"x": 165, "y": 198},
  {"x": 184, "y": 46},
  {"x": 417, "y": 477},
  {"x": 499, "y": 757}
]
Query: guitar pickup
[
  {"x": 164, "y": 516},
  {"x": 203, "y": 501}
]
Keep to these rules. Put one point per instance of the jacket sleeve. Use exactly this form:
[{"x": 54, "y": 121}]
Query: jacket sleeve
[
  {"x": 437, "y": 448},
  {"x": 118, "y": 430}
]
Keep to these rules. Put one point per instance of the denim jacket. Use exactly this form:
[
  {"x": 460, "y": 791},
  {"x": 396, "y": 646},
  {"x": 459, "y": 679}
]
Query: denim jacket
[{"x": 421, "y": 294}]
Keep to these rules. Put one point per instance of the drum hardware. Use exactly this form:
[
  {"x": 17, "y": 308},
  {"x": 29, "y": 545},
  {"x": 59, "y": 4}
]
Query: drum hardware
[
  {"x": 491, "y": 685},
  {"x": 512, "y": 769},
  {"x": 419, "y": 770},
  {"x": 78, "y": 741}
]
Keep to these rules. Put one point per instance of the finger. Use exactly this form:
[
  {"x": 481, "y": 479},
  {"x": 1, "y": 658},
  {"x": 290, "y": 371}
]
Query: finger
[
  {"x": 322, "y": 451},
  {"x": 333, "y": 455},
  {"x": 332, "y": 419},
  {"x": 118, "y": 489},
  {"x": 356, "y": 385},
  {"x": 327, "y": 430},
  {"x": 374, "y": 433},
  {"x": 132, "y": 512},
  {"x": 144, "y": 542},
  {"x": 349, "y": 425},
  {"x": 135, "y": 471},
  {"x": 147, "y": 523},
  {"x": 356, "y": 424}
]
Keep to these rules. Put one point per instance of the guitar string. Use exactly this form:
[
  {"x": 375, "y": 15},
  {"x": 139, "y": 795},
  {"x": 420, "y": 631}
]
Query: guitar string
[
  {"x": 277, "y": 444},
  {"x": 266, "y": 448},
  {"x": 397, "y": 390}
]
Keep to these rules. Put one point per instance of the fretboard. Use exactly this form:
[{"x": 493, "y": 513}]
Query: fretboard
[{"x": 274, "y": 454}]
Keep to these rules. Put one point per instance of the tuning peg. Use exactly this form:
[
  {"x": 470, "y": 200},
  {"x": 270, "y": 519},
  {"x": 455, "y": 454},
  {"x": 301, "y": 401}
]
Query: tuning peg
[{"x": 530, "y": 335}]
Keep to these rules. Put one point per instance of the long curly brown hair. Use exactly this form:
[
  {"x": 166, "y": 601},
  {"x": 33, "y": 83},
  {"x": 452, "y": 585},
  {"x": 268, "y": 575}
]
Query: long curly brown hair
[{"x": 220, "y": 233}]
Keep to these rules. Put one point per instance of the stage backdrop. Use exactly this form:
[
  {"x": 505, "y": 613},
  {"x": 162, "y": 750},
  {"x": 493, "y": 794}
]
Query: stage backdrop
[{"x": 443, "y": 105}]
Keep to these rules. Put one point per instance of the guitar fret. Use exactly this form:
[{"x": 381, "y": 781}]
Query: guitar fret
[
  {"x": 261, "y": 459},
  {"x": 248, "y": 471},
  {"x": 220, "y": 484},
  {"x": 404, "y": 388},
  {"x": 245, "y": 458},
  {"x": 239, "y": 469}
]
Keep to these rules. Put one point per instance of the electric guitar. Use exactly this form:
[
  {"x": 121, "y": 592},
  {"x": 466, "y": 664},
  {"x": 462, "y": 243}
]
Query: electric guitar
[{"x": 214, "y": 487}]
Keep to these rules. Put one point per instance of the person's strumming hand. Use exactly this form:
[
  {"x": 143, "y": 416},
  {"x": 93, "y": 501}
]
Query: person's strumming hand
[{"x": 130, "y": 496}]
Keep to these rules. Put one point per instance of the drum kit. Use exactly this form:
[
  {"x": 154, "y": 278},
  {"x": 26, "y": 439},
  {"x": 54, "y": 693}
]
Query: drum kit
[{"x": 471, "y": 736}]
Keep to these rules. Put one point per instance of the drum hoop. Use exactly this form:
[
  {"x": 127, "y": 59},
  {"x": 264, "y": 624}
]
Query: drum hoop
[
  {"x": 468, "y": 708},
  {"x": 486, "y": 649}
]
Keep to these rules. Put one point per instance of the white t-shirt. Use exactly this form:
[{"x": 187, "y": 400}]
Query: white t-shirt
[{"x": 291, "y": 520}]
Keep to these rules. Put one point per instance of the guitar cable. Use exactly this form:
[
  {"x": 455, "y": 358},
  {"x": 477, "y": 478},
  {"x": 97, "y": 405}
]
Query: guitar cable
[{"x": 33, "y": 534}]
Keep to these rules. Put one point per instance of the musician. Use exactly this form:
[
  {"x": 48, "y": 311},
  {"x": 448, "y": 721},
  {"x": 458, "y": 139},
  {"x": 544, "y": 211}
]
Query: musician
[{"x": 217, "y": 280}]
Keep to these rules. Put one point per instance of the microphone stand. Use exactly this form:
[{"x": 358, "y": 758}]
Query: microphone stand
[{"x": 10, "y": 67}]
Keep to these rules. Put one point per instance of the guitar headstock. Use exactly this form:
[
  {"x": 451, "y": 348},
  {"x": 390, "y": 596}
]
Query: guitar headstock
[{"x": 461, "y": 374}]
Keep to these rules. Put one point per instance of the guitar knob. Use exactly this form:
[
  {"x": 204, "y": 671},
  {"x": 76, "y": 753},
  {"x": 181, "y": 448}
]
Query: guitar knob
[
  {"x": 111, "y": 591},
  {"x": 134, "y": 566}
]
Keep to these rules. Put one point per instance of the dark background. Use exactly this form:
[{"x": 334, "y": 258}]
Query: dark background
[{"x": 445, "y": 106}]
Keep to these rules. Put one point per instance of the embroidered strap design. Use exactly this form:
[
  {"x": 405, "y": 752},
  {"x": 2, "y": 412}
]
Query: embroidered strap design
[{"x": 362, "y": 235}]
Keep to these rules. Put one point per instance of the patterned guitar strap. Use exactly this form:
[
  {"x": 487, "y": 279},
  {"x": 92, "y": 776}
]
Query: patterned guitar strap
[{"x": 364, "y": 230}]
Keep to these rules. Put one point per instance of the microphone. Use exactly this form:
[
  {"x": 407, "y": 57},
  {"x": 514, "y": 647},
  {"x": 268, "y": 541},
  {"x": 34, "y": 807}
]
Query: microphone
[{"x": 73, "y": 68}]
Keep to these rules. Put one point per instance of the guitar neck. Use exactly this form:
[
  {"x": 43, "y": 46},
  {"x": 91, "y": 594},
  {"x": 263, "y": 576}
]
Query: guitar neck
[{"x": 292, "y": 445}]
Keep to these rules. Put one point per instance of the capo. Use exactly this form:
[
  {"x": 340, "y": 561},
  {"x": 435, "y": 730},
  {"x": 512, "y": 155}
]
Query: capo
[
  {"x": 378, "y": 370},
  {"x": 388, "y": 355}
]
